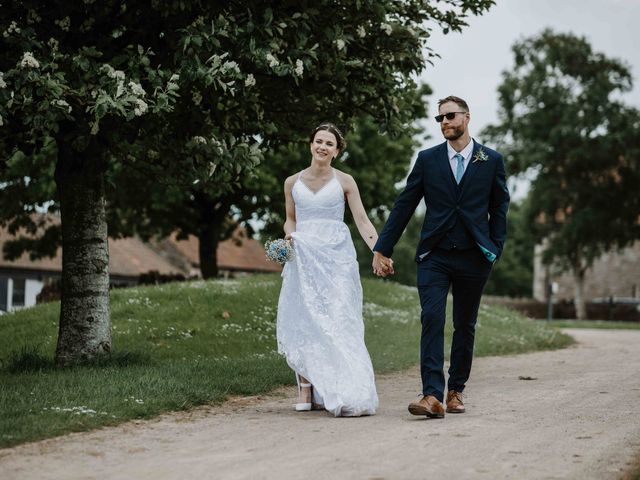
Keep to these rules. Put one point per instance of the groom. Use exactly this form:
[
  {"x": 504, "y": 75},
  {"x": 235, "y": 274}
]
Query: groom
[{"x": 464, "y": 188}]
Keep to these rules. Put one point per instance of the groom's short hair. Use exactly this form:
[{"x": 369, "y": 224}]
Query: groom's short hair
[{"x": 452, "y": 98}]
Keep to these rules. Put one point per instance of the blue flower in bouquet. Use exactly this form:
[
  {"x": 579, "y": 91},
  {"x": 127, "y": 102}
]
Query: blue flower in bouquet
[{"x": 279, "y": 250}]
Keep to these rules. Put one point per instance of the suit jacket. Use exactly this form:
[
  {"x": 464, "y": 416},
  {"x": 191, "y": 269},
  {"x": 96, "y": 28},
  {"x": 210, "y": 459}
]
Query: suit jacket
[{"x": 480, "y": 201}]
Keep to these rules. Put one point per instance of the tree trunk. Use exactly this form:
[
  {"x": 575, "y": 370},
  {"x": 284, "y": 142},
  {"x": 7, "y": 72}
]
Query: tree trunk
[
  {"x": 208, "y": 250},
  {"x": 579, "y": 300},
  {"x": 213, "y": 214},
  {"x": 85, "y": 324}
]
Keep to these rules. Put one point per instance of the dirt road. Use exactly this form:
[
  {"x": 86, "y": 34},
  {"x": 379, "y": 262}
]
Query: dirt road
[{"x": 578, "y": 417}]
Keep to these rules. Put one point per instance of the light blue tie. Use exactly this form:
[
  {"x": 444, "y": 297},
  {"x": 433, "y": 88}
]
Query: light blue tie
[{"x": 460, "y": 167}]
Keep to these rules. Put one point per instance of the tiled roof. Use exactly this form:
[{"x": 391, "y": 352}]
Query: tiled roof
[
  {"x": 128, "y": 257},
  {"x": 131, "y": 257},
  {"x": 236, "y": 253}
]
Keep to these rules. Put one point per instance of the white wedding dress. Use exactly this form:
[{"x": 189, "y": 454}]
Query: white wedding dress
[{"x": 319, "y": 325}]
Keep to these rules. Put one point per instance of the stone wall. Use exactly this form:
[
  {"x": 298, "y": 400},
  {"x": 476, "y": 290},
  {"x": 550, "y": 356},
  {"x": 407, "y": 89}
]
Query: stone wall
[{"x": 614, "y": 274}]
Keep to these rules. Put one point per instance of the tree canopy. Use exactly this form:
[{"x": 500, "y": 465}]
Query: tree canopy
[
  {"x": 562, "y": 119},
  {"x": 193, "y": 90}
]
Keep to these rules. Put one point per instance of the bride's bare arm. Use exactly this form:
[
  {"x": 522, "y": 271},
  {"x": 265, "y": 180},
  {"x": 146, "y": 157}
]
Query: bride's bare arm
[
  {"x": 364, "y": 225},
  {"x": 290, "y": 222}
]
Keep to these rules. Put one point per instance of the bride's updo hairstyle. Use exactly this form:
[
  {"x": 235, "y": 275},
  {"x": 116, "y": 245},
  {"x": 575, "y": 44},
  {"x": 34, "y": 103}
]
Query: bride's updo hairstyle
[{"x": 331, "y": 128}]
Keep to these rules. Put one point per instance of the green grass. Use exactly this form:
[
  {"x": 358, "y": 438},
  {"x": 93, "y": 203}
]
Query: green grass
[
  {"x": 185, "y": 344},
  {"x": 595, "y": 324}
]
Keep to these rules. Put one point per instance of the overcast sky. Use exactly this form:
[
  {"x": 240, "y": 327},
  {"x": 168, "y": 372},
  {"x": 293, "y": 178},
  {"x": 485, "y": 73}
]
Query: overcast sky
[{"x": 472, "y": 61}]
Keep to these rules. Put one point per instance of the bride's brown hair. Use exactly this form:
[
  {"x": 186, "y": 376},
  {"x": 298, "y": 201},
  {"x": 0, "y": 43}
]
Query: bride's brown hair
[{"x": 331, "y": 128}]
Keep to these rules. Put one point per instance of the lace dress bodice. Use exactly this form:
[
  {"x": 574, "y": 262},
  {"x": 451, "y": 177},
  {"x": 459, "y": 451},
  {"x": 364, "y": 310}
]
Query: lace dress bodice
[{"x": 324, "y": 204}]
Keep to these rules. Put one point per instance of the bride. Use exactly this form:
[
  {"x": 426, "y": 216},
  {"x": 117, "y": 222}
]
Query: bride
[{"x": 319, "y": 324}]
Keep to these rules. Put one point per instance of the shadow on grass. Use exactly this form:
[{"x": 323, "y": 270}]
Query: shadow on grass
[{"x": 30, "y": 359}]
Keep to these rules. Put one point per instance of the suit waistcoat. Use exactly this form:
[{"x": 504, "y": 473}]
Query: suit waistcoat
[{"x": 457, "y": 235}]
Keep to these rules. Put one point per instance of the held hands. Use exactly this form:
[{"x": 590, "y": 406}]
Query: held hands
[{"x": 382, "y": 266}]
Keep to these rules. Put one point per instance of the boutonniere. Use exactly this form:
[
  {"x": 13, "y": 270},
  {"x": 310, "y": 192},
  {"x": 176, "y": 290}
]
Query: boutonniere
[{"x": 480, "y": 156}]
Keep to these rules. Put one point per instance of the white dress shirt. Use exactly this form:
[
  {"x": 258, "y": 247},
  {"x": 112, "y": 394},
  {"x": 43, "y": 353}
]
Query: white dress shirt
[{"x": 465, "y": 152}]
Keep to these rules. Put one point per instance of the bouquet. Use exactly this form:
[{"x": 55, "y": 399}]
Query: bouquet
[{"x": 279, "y": 250}]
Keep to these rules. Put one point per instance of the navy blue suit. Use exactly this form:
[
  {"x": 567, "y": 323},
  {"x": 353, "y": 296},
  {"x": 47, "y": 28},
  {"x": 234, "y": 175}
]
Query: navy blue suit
[{"x": 463, "y": 234}]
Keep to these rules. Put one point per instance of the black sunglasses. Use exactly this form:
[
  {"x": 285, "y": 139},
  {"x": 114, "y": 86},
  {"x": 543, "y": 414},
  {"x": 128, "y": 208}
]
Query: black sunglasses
[{"x": 450, "y": 116}]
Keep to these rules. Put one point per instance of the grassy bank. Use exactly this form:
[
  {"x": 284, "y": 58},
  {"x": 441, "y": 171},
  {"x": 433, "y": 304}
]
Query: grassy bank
[{"x": 185, "y": 344}]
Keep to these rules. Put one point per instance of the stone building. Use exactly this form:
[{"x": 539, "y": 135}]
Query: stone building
[{"x": 614, "y": 275}]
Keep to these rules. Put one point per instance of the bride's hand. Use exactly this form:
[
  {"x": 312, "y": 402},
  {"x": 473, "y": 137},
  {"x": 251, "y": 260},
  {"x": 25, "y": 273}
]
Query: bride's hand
[
  {"x": 289, "y": 238},
  {"x": 382, "y": 266}
]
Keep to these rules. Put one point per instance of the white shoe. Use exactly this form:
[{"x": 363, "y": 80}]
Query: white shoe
[{"x": 303, "y": 407}]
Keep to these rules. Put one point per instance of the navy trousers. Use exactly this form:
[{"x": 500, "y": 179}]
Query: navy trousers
[{"x": 466, "y": 272}]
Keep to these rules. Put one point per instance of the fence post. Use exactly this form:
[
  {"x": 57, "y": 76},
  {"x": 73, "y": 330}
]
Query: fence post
[{"x": 610, "y": 312}]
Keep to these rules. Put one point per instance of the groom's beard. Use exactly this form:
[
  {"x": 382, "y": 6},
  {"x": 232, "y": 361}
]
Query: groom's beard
[{"x": 453, "y": 133}]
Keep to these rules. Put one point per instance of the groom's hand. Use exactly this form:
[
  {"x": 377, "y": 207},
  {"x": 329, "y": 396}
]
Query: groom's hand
[{"x": 382, "y": 266}]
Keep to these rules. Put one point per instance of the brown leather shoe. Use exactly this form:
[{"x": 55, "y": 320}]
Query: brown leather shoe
[
  {"x": 454, "y": 402},
  {"x": 427, "y": 405}
]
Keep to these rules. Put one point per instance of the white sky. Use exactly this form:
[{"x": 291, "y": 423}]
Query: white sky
[{"x": 471, "y": 62}]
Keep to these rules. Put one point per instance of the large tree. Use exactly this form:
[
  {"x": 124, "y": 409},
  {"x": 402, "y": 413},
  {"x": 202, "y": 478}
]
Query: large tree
[
  {"x": 189, "y": 90},
  {"x": 561, "y": 120}
]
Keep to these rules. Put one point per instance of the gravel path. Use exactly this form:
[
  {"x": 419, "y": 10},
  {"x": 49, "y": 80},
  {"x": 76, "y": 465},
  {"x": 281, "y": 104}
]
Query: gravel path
[{"x": 577, "y": 416}]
